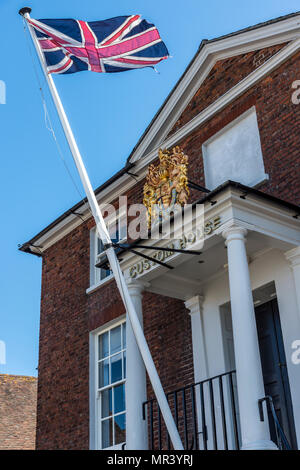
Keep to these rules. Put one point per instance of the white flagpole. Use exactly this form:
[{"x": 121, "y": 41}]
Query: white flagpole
[{"x": 110, "y": 252}]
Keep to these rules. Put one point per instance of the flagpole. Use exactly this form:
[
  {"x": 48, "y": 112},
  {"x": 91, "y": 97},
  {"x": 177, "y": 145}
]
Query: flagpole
[{"x": 110, "y": 252}]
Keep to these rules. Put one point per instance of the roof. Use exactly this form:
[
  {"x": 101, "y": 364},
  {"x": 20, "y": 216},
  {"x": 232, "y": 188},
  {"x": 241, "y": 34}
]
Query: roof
[
  {"x": 31, "y": 247},
  {"x": 256, "y": 26},
  {"x": 17, "y": 378},
  {"x": 18, "y": 400}
]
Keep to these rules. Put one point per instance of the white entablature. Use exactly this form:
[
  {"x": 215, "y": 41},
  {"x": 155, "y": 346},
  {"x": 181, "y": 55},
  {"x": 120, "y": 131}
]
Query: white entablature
[{"x": 270, "y": 225}]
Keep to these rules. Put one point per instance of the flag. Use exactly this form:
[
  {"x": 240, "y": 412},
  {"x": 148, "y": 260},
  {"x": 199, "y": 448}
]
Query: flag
[{"x": 114, "y": 45}]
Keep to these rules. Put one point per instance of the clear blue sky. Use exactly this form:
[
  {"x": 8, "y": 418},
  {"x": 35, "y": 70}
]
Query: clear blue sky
[{"x": 108, "y": 114}]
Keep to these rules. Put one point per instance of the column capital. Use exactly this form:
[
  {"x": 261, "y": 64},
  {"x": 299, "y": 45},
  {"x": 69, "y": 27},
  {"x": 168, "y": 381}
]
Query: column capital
[
  {"x": 136, "y": 287},
  {"x": 234, "y": 232},
  {"x": 293, "y": 256},
  {"x": 194, "y": 304}
]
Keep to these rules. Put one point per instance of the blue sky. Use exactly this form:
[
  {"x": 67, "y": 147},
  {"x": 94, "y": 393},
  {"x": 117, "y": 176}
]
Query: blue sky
[{"x": 108, "y": 114}]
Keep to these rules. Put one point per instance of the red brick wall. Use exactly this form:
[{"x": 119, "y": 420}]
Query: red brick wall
[
  {"x": 63, "y": 406},
  {"x": 17, "y": 412},
  {"x": 223, "y": 76},
  {"x": 167, "y": 328},
  {"x": 278, "y": 121},
  {"x": 67, "y": 316},
  {"x": 68, "y": 313}
]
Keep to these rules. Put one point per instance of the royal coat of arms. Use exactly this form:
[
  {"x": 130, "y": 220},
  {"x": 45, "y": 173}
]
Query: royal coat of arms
[{"x": 166, "y": 185}]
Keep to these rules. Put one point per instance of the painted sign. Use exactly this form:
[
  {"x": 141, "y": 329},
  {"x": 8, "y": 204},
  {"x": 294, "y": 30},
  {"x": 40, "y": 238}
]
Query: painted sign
[{"x": 186, "y": 241}]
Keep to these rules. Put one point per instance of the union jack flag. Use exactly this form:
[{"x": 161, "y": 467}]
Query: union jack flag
[{"x": 114, "y": 45}]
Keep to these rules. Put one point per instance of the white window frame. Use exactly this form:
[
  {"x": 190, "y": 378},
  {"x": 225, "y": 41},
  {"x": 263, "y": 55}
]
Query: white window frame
[
  {"x": 96, "y": 275},
  {"x": 95, "y": 391}
]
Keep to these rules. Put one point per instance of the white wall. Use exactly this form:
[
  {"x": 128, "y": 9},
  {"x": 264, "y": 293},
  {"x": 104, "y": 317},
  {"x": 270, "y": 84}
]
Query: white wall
[{"x": 235, "y": 153}]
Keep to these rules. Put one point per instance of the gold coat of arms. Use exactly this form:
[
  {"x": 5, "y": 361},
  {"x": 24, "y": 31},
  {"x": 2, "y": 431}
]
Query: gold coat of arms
[{"x": 166, "y": 185}]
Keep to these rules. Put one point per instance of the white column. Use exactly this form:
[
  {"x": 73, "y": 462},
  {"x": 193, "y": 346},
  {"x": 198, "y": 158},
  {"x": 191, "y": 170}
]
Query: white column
[
  {"x": 255, "y": 433},
  {"x": 194, "y": 305},
  {"x": 293, "y": 257},
  {"x": 136, "y": 392}
]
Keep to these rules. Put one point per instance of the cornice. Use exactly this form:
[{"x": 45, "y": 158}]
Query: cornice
[{"x": 293, "y": 256}]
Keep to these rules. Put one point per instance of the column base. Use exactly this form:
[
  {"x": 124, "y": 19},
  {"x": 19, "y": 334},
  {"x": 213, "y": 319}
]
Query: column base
[{"x": 260, "y": 445}]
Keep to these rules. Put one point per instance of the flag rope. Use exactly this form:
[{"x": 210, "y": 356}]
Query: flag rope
[
  {"x": 49, "y": 125},
  {"x": 110, "y": 252}
]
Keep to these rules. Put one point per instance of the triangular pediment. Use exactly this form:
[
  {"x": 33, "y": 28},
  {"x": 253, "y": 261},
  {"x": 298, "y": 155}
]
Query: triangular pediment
[
  {"x": 224, "y": 75},
  {"x": 224, "y": 62}
]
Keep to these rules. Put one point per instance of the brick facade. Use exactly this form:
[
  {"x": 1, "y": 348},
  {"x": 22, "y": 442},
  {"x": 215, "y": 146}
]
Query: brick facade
[
  {"x": 68, "y": 313},
  {"x": 18, "y": 396}
]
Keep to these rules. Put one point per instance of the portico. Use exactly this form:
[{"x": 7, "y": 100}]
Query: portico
[{"x": 249, "y": 247}]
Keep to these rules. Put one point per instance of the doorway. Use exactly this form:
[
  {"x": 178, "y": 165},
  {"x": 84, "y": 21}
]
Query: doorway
[
  {"x": 274, "y": 367},
  {"x": 272, "y": 355}
]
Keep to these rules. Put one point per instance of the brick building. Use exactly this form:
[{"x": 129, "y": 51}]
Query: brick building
[
  {"x": 18, "y": 395},
  {"x": 223, "y": 333}
]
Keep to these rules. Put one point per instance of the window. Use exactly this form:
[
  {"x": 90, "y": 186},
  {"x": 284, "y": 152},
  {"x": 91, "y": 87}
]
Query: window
[
  {"x": 111, "y": 371},
  {"x": 235, "y": 153},
  {"x": 118, "y": 232}
]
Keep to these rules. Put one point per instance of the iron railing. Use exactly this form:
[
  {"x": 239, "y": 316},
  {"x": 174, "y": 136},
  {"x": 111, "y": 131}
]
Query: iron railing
[
  {"x": 205, "y": 413},
  {"x": 281, "y": 439}
]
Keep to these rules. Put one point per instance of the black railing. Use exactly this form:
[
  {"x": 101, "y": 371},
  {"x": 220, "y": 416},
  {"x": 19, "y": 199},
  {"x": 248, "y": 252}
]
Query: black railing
[
  {"x": 205, "y": 414},
  {"x": 280, "y": 437}
]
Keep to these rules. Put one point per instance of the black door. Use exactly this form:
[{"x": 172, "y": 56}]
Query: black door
[{"x": 274, "y": 368}]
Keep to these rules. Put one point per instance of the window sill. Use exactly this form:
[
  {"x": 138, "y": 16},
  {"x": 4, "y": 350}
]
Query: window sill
[{"x": 97, "y": 286}]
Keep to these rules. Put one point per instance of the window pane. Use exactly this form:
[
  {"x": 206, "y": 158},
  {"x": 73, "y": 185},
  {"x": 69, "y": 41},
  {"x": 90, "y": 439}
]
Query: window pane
[
  {"x": 115, "y": 340},
  {"x": 104, "y": 273},
  {"x": 99, "y": 246},
  {"x": 124, "y": 364},
  {"x": 124, "y": 335},
  {"x": 116, "y": 368},
  {"x": 120, "y": 429},
  {"x": 103, "y": 345},
  {"x": 103, "y": 373},
  {"x": 107, "y": 433},
  {"x": 106, "y": 402},
  {"x": 119, "y": 398}
]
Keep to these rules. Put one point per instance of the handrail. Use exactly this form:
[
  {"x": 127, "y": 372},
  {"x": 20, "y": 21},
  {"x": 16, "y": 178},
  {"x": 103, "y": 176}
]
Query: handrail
[
  {"x": 205, "y": 413},
  {"x": 282, "y": 441},
  {"x": 192, "y": 385}
]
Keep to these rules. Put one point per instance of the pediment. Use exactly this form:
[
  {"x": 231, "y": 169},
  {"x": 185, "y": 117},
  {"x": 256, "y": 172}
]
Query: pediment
[
  {"x": 223, "y": 76},
  {"x": 218, "y": 66}
]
